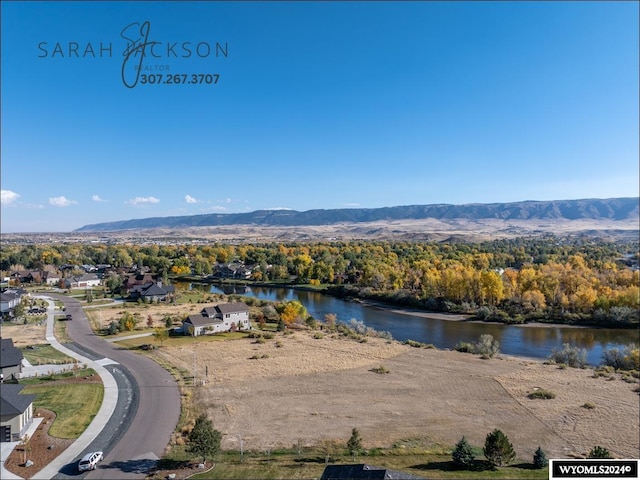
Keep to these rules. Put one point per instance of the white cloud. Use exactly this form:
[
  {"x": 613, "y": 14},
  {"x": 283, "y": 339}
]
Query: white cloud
[
  {"x": 217, "y": 208},
  {"x": 8, "y": 197},
  {"x": 61, "y": 201},
  {"x": 142, "y": 200},
  {"x": 278, "y": 208},
  {"x": 96, "y": 198},
  {"x": 190, "y": 199}
]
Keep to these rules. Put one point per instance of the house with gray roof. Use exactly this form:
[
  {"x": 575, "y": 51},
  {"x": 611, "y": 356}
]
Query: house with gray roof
[
  {"x": 224, "y": 317},
  {"x": 10, "y": 360},
  {"x": 152, "y": 292},
  {"x": 16, "y": 412}
]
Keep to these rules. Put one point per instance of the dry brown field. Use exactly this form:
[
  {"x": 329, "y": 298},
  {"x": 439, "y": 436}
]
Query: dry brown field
[{"x": 303, "y": 389}]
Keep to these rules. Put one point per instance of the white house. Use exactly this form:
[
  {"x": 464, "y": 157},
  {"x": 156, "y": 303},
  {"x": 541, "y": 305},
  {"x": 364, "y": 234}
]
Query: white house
[
  {"x": 84, "y": 281},
  {"x": 225, "y": 317}
]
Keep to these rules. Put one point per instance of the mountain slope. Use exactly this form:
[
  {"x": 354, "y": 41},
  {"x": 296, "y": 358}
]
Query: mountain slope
[{"x": 592, "y": 209}]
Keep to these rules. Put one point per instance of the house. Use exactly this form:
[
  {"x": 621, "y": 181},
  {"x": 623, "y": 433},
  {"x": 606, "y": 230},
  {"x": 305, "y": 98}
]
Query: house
[
  {"x": 232, "y": 270},
  {"x": 52, "y": 278},
  {"x": 152, "y": 292},
  {"x": 83, "y": 281},
  {"x": 9, "y": 299},
  {"x": 28, "y": 276},
  {"x": 16, "y": 412},
  {"x": 225, "y": 317},
  {"x": 363, "y": 471},
  {"x": 10, "y": 360},
  {"x": 136, "y": 279}
]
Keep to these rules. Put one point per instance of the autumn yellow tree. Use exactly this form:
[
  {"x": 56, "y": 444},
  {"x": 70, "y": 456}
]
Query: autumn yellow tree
[{"x": 292, "y": 311}]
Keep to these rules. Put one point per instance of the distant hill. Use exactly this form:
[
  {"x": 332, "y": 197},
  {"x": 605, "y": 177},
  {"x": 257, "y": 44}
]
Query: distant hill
[{"x": 586, "y": 209}]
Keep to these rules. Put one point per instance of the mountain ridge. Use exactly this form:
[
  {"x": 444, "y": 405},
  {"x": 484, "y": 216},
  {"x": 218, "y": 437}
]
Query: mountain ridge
[{"x": 623, "y": 208}]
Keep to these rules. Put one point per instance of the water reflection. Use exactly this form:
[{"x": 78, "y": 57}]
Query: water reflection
[{"x": 537, "y": 341}]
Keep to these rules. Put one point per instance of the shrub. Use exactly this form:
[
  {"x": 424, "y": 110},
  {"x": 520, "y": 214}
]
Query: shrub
[
  {"x": 626, "y": 359},
  {"x": 462, "y": 455},
  {"x": 541, "y": 394},
  {"x": 599, "y": 452},
  {"x": 113, "y": 328},
  {"x": 413, "y": 343},
  {"x": 569, "y": 355},
  {"x": 588, "y": 405},
  {"x": 497, "y": 449},
  {"x": 539, "y": 458},
  {"x": 487, "y": 346},
  {"x": 465, "y": 347}
]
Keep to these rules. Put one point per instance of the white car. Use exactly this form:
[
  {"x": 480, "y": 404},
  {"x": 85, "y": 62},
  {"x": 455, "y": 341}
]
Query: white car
[{"x": 90, "y": 461}]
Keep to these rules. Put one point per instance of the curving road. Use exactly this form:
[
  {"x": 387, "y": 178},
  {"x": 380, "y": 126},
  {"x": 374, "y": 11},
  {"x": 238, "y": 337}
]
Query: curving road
[{"x": 158, "y": 402}]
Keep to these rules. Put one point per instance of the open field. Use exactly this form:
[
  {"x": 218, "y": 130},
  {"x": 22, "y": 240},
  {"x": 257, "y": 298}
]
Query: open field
[{"x": 295, "y": 388}]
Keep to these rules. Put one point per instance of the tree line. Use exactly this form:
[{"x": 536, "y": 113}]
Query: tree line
[{"x": 578, "y": 280}]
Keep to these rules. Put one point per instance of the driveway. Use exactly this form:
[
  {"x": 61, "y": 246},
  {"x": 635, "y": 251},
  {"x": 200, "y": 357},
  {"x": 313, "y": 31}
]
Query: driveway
[{"x": 158, "y": 396}]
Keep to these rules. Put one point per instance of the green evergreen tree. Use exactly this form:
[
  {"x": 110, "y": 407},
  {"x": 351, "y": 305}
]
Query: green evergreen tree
[
  {"x": 539, "y": 458},
  {"x": 497, "y": 449},
  {"x": 355, "y": 443},
  {"x": 462, "y": 454},
  {"x": 204, "y": 439}
]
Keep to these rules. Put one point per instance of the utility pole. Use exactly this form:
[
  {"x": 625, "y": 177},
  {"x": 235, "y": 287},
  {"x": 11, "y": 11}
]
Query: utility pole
[{"x": 194, "y": 368}]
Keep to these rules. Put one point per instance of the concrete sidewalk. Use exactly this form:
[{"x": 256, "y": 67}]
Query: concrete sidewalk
[
  {"x": 29, "y": 370},
  {"x": 100, "y": 420}
]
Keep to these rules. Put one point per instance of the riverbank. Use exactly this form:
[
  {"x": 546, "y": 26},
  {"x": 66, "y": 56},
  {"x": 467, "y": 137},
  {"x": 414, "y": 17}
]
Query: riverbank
[
  {"x": 457, "y": 317},
  {"x": 338, "y": 291}
]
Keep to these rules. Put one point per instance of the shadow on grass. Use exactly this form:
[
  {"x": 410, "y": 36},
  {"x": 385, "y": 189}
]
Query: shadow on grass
[{"x": 449, "y": 466}]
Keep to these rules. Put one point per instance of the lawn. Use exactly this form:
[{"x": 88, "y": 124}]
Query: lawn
[
  {"x": 310, "y": 463},
  {"x": 44, "y": 354},
  {"x": 75, "y": 405}
]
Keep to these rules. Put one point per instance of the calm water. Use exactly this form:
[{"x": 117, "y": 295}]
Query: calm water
[{"x": 536, "y": 342}]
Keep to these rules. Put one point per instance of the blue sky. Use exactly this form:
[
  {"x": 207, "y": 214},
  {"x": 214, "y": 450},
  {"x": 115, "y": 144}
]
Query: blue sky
[{"x": 317, "y": 105}]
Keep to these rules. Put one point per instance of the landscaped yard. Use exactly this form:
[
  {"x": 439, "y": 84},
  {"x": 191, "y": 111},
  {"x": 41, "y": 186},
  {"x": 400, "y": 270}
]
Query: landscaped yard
[
  {"x": 75, "y": 402},
  {"x": 44, "y": 354}
]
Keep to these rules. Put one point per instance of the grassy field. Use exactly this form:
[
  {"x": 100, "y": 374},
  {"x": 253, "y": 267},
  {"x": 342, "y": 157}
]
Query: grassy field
[
  {"x": 75, "y": 404},
  {"x": 430, "y": 462},
  {"x": 45, "y": 354},
  {"x": 177, "y": 341},
  {"x": 60, "y": 330}
]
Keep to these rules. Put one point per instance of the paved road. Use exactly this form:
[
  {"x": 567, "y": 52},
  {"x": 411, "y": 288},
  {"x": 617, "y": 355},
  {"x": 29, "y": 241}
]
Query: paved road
[{"x": 158, "y": 400}]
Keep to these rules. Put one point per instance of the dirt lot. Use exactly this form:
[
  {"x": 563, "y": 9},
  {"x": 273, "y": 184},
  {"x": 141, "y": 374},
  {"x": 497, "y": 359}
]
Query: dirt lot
[
  {"x": 23, "y": 335},
  {"x": 319, "y": 389}
]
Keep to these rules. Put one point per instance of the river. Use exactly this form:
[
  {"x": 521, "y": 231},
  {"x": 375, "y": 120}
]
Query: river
[{"x": 533, "y": 341}]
